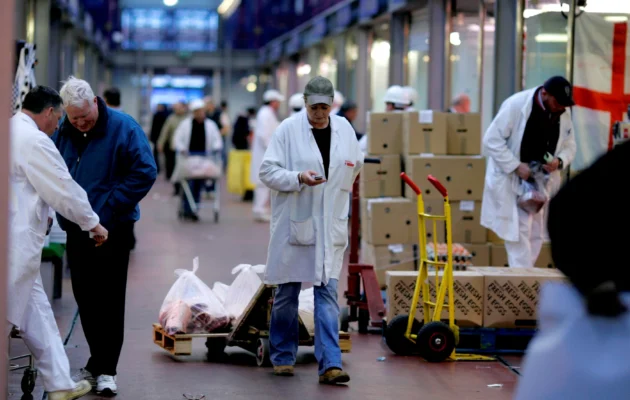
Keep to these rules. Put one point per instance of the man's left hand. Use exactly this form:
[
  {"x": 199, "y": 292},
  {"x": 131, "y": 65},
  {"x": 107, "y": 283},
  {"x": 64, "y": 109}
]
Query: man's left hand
[{"x": 552, "y": 166}]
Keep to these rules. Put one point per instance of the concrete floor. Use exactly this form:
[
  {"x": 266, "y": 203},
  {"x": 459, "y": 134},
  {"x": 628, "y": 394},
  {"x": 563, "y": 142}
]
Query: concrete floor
[{"x": 148, "y": 372}]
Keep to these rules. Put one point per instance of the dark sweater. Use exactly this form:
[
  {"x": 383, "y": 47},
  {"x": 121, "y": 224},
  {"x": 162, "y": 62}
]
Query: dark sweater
[{"x": 541, "y": 134}]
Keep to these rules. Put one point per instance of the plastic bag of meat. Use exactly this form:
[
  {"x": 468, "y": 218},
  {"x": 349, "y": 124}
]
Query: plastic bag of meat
[
  {"x": 190, "y": 305},
  {"x": 243, "y": 289},
  {"x": 220, "y": 289}
]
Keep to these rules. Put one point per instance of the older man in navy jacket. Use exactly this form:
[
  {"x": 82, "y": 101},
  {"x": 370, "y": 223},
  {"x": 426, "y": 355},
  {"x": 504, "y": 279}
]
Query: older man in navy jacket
[{"x": 109, "y": 155}]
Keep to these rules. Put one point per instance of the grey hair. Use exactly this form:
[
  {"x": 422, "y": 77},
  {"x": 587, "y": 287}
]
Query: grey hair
[{"x": 75, "y": 92}]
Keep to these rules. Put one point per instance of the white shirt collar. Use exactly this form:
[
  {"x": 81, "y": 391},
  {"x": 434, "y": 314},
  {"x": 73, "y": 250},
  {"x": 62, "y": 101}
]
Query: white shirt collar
[{"x": 27, "y": 119}]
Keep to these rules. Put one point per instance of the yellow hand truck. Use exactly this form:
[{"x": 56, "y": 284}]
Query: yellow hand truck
[{"x": 433, "y": 340}]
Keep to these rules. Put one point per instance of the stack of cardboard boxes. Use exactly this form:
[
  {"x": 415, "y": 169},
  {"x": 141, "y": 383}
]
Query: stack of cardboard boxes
[{"x": 492, "y": 297}]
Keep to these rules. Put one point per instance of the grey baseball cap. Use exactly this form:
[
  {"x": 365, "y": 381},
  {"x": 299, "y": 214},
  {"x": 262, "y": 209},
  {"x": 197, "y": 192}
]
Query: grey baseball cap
[{"x": 319, "y": 90}]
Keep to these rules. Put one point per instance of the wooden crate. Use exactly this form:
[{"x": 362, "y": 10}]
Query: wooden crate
[
  {"x": 345, "y": 343},
  {"x": 180, "y": 344}
]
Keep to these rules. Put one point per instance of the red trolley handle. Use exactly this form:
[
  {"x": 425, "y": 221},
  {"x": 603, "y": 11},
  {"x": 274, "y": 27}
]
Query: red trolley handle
[
  {"x": 438, "y": 185},
  {"x": 411, "y": 183}
]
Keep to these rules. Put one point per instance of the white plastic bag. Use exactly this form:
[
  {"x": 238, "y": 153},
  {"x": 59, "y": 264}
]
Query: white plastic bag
[
  {"x": 190, "y": 306},
  {"x": 243, "y": 289},
  {"x": 575, "y": 355},
  {"x": 306, "y": 309},
  {"x": 220, "y": 290}
]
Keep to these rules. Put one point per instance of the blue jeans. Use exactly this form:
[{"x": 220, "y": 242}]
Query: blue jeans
[
  {"x": 284, "y": 327},
  {"x": 195, "y": 188}
]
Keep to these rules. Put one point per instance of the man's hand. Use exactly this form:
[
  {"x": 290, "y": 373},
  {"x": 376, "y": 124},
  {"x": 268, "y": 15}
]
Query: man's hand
[
  {"x": 308, "y": 178},
  {"x": 523, "y": 171},
  {"x": 552, "y": 166},
  {"x": 100, "y": 234}
]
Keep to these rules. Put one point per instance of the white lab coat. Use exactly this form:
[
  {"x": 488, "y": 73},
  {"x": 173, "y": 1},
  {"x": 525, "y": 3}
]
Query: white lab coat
[
  {"x": 39, "y": 179},
  {"x": 181, "y": 137},
  {"x": 266, "y": 124},
  {"x": 575, "y": 355},
  {"x": 309, "y": 225},
  {"x": 502, "y": 147}
]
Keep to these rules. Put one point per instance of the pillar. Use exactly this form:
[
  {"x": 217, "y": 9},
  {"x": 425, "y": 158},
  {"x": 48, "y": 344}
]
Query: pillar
[
  {"x": 20, "y": 20},
  {"x": 398, "y": 34},
  {"x": 292, "y": 78},
  {"x": 42, "y": 40},
  {"x": 342, "y": 65},
  {"x": 362, "y": 76},
  {"x": 507, "y": 66},
  {"x": 216, "y": 86},
  {"x": 228, "y": 73},
  {"x": 68, "y": 47},
  {"x": 55, "y": 53},
  {"x": 7, "y": 47},
  {"x": 439, "y": 49}
]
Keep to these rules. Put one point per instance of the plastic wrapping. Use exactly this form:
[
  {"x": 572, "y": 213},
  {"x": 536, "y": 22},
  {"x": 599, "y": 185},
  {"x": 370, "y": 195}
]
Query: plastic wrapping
[
  {"x": 190, "y": 305},
  {"x": 243, "y": 289},
  {"x": 306, "y": 309},
  {"x": 220, "y": 290},
  {"x": 533, "y": 193}
]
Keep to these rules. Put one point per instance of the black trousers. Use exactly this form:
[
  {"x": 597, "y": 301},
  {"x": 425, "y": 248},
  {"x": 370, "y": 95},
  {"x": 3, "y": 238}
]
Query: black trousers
[{"x": 99, "y": 283}]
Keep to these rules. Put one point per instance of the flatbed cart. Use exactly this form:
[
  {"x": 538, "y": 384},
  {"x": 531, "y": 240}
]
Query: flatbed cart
[
  {"x": 250, "y": 332},
  {"x": 216, "y": 206},
  {"x": 30, "y": 373},
  {"x": 433, "y": 340},
  {"x": 367, "y": 307}
]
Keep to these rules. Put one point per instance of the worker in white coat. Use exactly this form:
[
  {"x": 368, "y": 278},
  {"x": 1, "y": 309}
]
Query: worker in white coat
[
  {"x": 310, "y": 166},
  {"x": 40, "y": 180},
  {"x": 337, "y": 102},
  {"x": 531, "y": 126},
  {"x": 396, "y": 100},
  {"x": 266, "y": 124},
  {"x": 296, "y": 103}
]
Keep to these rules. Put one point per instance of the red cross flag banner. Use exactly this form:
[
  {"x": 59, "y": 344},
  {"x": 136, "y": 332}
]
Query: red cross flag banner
[{"x": 601, "y": 84}]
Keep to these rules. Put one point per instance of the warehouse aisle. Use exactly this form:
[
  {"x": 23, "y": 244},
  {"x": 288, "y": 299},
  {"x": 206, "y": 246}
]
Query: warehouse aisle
[{"x": 147, "y": 372}]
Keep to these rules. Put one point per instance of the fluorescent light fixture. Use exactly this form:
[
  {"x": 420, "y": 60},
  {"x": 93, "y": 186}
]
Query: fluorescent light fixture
[
  {"x": 170, "y": 3},
  {"x": 616, "y": 18},
  {"x": 251, "y": 87},
  {"x": 486, "y": 28},
  {"x": 552, "y": 38},
  {"x": 227, "y": 7},
  {"x": 380, "y": 50},
  {"x": 303, "y": 70},
  {"x": 455, "y": 39}
]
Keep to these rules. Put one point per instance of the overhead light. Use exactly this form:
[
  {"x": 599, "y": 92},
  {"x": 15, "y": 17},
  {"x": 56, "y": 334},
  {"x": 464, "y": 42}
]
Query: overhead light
[
  {"x": 380, "y": 50},
  {"x": 170, "y": 3},
  {"x": 455, "y": 39},
  {"x": 227, "y": 7},
  {"x": 596, "y": 7},
  {"x": 251, "y": 87},
  {"x": 552, "y": 38},
  {"x": 303, "y": 70},
  {"x": 486, "y": 28},
  {"x": 616, "y": 18}
]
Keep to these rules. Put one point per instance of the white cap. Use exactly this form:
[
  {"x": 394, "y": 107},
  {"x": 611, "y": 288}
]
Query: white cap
[
  {"x": 197, "y": 104},
  {"x": 296, "y": 101},
  {"x": 398, "y": 96},
  {"x": 272, "y": 95},
  {"x": 412, "y": 93},
  {"x": 339, "y": 99}
]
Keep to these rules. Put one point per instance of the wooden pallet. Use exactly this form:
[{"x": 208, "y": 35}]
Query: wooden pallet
[{"x": 181, "y": 344}]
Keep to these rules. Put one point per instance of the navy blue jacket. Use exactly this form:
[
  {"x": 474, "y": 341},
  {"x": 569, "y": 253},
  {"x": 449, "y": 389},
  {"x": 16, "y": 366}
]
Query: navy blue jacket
[{"x": 113, "y": 163}]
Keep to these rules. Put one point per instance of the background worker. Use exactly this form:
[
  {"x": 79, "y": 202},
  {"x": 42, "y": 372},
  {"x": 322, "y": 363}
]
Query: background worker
[
  {"x": 266, "y": 124},
  {"x": 413, "y": 98},
  {"x": 39, "y": 179},
  {"x": 296, "y": 103},
  {"x": 165, "y": 142},
  {"x": 159, "y": 119},
  {"x": 311, "y": 187},
  {"x": 396, "y": 100},
  {"x": 337, "y": 102},
  {"x": 531, "y": 126},
  {"x": 112, "y": 98},
  {"x": 103, "y": 148},
  {"x": 196, "y": 135},
  {"x": 460, "y": 104}
]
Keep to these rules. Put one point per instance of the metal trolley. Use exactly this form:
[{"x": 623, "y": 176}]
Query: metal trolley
[
  {"x": 30, "y": 373},
  {"x": 433, "y": 339},
  {"x": 215, "y": 157}
]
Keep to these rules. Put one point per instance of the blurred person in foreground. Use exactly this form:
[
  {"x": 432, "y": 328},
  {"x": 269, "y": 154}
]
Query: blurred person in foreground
[
  {"x": 39, "y": 179},
  {"x": 581, "y": 350},
  {"x": 311, "y": 162},
  {"x": 165, "y": 143},
  {"x": 532, "y": 127},
  {"x": 109, "y": 155},
  {"x": 266, "y": 124}
]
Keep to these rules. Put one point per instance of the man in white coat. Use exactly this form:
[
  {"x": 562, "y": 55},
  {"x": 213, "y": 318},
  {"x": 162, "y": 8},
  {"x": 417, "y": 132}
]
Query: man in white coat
[
  {"x": 310, "y": 165},
  {"x": 531, "y": 126},
  {"x": 39, "y": 180},
  {"x": 296, "y": 103},
  {"x": 266, "y": 124}
]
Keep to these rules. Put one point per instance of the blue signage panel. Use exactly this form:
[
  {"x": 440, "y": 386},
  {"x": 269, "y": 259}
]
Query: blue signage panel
[
  {"x": 370, "y": 8},
  {"x": 294, "y": 43},
  {"x": 275, "y": 52},
  {"x": 395, "y": 4},
  {"x": 343, "y": 18}
]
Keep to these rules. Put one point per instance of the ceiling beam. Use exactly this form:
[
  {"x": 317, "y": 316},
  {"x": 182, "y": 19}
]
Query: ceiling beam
[{"x": 197, "y": 61}]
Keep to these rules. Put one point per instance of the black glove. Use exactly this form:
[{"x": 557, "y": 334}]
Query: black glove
[{"x": 604, "y": 301}]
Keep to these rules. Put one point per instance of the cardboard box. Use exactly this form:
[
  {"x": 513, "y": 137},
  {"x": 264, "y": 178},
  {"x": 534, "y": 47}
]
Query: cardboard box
[
  {"x": 544, "y": 259},
  {"x": 493, "y": 238},
  {"x": 468, "y": 289},
  {"x": 498, "y": 255},
  {"x": 464, "y": 133},
  {"x": 395, "y": 257},
  {"x": 381, "y": 180},
  {"x": 511, "y": 295},
  {"x": 480, "y": 253},
  {"x": 425, "y": 132},
  {"x": 385, "y": 133},
  {"x": 465, "y": 218},
  {"x": 462, "y": 176},
  {"x": 390, "y": 220}
]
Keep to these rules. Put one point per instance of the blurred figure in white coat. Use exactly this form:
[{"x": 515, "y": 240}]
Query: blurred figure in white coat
[
  {"x": 40, "y": 180},
  {"x": 296, "y": 103},
  {"x": 266, "y": 124}
]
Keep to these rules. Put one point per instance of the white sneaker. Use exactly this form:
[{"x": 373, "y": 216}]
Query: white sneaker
[
  {"x": 84, "y": 374},
  {"x": 81, "y": 389},
  {"x": 106, "y": 385},
  {"x": 261, "y": 217}
]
